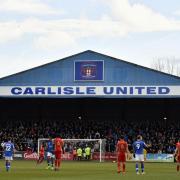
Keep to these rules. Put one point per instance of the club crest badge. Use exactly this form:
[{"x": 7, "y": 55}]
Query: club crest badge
[{"x": 89, "y": 70}]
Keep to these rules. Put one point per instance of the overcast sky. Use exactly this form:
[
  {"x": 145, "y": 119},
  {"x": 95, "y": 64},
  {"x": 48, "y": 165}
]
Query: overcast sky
[{"x": 35, "y": 32}]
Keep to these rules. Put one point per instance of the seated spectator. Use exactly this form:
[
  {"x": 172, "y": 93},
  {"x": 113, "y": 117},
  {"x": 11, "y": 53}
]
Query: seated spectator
[{"x": 26, "y": 133}]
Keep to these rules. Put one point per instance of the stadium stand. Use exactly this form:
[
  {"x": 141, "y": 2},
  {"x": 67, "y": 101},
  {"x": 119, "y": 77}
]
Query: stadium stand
[{"x": 162, "y": 135}]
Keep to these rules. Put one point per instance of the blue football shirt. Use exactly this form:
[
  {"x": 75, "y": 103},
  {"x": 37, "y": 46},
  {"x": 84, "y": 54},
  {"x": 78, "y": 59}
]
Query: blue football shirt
[
  {"x": 8, "y": 149},
  {"x": 50, "y": 147},
  {"x": 138, "y": 146}
]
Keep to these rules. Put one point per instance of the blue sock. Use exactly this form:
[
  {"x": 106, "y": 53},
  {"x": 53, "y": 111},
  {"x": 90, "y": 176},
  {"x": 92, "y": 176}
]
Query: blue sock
[
  {"x": 48, "y": 162},
  {"x": 137, "y": 168},
  {"x": 142, "y": 166},
  {"x": 52, "y": 162},
  {"x": 7, "y": 166}
]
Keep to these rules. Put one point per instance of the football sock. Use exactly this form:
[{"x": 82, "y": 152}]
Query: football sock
[
  {"x": 7, "y": 166},
  {"x": 56, "y": 163},
  {"x": 48, "y": 161},
  {"x": 59, "y": 163},
  {"x": 137, "y": 169},
  {"x": 52, "y": 162},
  {"x": 41, "y": 160},
  {"x": 177, "y": 167},
  {"x": 119, "y": 166},
  {"x": 142, "y": 166},
  {"x": 124, "y": 167}
]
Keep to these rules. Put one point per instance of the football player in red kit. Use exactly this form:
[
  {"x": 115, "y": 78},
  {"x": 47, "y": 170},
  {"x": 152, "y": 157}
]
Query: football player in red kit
[
  {"x": 177, "y": 154},
  {"x": 121, "y": 150},
  {"x": 58, "y": 148}
]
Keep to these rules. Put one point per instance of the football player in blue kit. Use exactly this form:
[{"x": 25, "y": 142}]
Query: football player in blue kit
[
  {"x": 138, "y": 147},
  {"x": 50, "y": 154},
  {"x": 8, "y": 153}
]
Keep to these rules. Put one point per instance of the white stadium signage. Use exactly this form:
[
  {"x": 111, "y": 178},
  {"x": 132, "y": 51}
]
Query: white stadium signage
[{"x": 89, "y": 91}]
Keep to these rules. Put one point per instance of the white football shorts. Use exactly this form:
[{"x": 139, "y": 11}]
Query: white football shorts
[
  {"x": 49, "y": 154},
  {"x": 139, "y": 157},
  {"x": 8, "y": 158}
]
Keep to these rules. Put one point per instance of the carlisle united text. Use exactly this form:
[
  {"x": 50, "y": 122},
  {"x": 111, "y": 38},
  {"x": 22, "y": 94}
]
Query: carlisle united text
[{"x": 90, "y": 90}]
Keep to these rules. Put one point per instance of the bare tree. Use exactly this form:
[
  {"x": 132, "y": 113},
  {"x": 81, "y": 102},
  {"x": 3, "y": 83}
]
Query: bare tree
[
  {"x": 178, "y": 70},
  {"x": 168, "y": 65},
  {"x": 158, "y": 64}
]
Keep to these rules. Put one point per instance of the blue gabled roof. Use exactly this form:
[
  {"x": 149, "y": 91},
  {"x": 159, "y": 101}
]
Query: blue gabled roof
[{"x": 117, "y": 72}]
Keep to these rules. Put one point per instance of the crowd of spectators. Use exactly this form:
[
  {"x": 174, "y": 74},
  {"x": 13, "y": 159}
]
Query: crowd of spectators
[{"x": 162, "y": 135}]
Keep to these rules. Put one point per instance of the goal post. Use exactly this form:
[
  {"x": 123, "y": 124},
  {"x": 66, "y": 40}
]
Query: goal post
[{"x": 97, "y": 146}]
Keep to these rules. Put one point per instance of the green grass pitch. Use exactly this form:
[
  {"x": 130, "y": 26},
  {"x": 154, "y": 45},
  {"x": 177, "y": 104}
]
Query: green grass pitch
[{"x": 28, "y": 170}]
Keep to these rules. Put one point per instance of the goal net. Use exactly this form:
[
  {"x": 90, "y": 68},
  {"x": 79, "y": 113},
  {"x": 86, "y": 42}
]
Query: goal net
[{"x": 97, "y": 148}]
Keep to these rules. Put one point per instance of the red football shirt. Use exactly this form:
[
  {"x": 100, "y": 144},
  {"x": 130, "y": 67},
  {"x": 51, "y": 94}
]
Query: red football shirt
[
  {"x": 41, "y": 151},
  {"x": 58, "y": 143},
  {"x": 122, "y": 147},
  {"x": 178, "y": 148}
]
